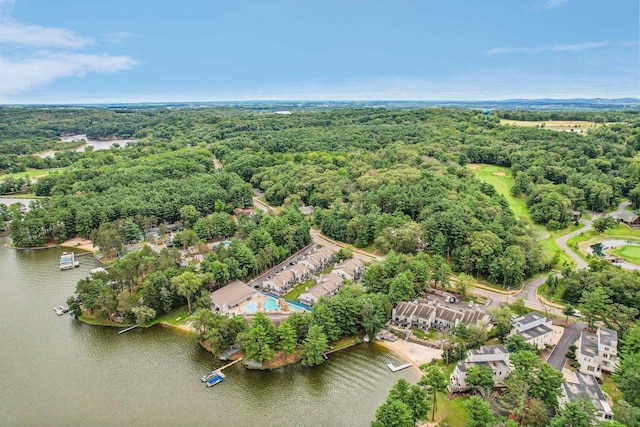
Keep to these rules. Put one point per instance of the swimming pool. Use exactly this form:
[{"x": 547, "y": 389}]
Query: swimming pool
[
  {"x": 270, "y": 305},
  {"x": 252, "y": 307},
  {"x": 225, "y": 244}
]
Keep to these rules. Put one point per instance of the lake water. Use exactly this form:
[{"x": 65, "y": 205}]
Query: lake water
[
  {"x": 10, "y": 201},
  {"x": 96, "y": 144},
  {"x": 57, "y": 371}
]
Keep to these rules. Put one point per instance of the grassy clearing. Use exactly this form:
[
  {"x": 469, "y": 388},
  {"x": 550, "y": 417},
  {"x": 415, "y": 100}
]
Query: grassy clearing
[
  {"x": 294, "y": 293},
  {"x": 21, "y": 196},
  {"x": 610, "y": 387},
  {"x": 628, "y": 252},
  {"x": 431, "y": 335},
  {"x": 177, "y": 316},
  {"x": 29, "y": 173},
  {"x": 554, "y": 298},
  {"x": 565, "y": 125}
]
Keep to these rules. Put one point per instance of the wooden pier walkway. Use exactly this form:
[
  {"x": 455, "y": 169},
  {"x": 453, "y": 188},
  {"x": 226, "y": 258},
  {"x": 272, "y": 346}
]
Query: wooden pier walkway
[
  {"x": 128, "y": 329},
  {"x": 229, "y": 364},
  {"x": 394, "y": 368},
  {"x": 326, "y": 353}
]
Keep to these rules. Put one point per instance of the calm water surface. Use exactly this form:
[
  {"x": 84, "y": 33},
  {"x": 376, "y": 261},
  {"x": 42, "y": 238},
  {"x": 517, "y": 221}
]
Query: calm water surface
[{"x": 55, "y": 371}]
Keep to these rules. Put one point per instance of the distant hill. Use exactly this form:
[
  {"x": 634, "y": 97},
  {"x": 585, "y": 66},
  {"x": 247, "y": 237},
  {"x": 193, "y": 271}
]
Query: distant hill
[{"x": 272, "y": 106}]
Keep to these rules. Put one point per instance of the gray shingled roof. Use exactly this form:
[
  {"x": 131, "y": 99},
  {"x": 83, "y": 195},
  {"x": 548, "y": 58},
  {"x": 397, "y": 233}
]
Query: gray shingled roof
[
  {"x": 608, "y": 337},
  {"x": 589, "y": 344},
  {"x": 535, "y": 332},
  {"x": 232, "y": 294}
]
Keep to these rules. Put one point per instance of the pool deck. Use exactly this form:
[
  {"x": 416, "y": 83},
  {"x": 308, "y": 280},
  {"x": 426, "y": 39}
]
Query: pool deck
[{"x": 259, "y": 301}]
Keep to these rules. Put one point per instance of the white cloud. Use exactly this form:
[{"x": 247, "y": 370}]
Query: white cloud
[
  {"x": 548, "y": 48},
  {"x": 37, "y": 36},
  {"x": 33, "y": 56},
  {"x": 549, "y": 4},
  {"x": 27, "y": 73},
  {"x": 116, "y": 37}
]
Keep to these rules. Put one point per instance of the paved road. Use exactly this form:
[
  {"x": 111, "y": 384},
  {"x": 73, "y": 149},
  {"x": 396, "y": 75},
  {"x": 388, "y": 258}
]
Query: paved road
[{"x": 569, "y": 336}]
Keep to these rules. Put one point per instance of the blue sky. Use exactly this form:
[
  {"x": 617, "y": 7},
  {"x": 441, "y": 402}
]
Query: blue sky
[{"x": 67, "y": 51}]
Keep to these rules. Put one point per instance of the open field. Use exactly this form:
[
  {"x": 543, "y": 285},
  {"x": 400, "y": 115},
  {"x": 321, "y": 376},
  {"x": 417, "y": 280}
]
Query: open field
[
  {"x": 502, "y": 179},
  {"x": 564, "y": 125},
  {"x": 29, "y": 173}
]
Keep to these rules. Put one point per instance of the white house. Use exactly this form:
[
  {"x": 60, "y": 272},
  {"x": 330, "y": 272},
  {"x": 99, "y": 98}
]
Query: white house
[
  {"x": 492, "y": 357},
  {"x": 535, "y": 329},
  {"x": 579, "y": 386},
  {"x": 597, "y": 352}
]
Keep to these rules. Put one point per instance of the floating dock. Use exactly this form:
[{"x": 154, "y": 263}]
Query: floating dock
[
  {"x": 394, "y": 368},
  {"x": 68, "y": 261}
]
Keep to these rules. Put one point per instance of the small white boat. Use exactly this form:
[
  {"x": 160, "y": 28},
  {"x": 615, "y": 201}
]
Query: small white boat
[{"x": 58, "y": 311}]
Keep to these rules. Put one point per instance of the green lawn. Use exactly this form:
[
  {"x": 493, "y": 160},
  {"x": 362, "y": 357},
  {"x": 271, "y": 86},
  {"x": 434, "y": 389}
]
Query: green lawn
[
  {"x": 431, "y": 335},
  {"x": 611, "y": 388},
  {"x": 502, "y": 180},
  {"x": 29, "y": 173},
  {"x": 177, "y": 316},
  {"x": 294, "y": 293},
  {"x": 628, "y": 252},
  {"x": 555, "y": 298},
  {"x": 619, "y": 232}
]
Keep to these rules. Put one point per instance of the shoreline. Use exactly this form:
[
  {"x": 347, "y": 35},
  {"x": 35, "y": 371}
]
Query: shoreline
[{"x": 412, "y": 352}]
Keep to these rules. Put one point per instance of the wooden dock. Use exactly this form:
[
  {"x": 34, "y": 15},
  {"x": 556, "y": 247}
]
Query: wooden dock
[
  {"x": 229, "y": 364},
  {"x": 128, "y": 329},
  {"x": 394, "y": 368}
]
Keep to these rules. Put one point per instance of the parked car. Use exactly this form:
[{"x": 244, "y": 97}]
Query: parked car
[
  {"x": 577, "y": 313},
  {"x": 470, "y": 304}
]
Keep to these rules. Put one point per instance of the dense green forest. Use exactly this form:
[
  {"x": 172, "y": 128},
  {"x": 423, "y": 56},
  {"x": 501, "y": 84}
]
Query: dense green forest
[
  {"x": 395, "y": 181},
  {"x": 389, "y": 179}
]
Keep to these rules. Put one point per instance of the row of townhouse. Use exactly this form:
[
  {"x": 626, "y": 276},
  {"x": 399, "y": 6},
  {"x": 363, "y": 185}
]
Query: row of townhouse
[
  {"x": 285, "y": 280},
  {"x": 428, "y": 315},
  {"x": 327, "y": 285},
  {"x": 492, "y": 357}
]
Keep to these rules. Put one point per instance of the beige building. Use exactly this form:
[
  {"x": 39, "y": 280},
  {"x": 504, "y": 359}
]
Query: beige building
[
  {"x": 283, "y": 281},
  {"x": 231, "y": 295},
  {"x": 425, "y": 316},
  {"x": 327, "y": 286}
]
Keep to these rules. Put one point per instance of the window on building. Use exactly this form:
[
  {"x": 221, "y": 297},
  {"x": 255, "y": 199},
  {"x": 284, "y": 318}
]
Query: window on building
[{"x": 590, "y": 368}]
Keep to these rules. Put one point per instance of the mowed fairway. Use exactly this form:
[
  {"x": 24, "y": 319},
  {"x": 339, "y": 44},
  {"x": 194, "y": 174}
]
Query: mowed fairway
[
  {"x": 564, "y": 125},
  {"x": 628, "y": 252},
  {"x": 502, "y": 180},
  {"x": 29, "y": 173}
]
